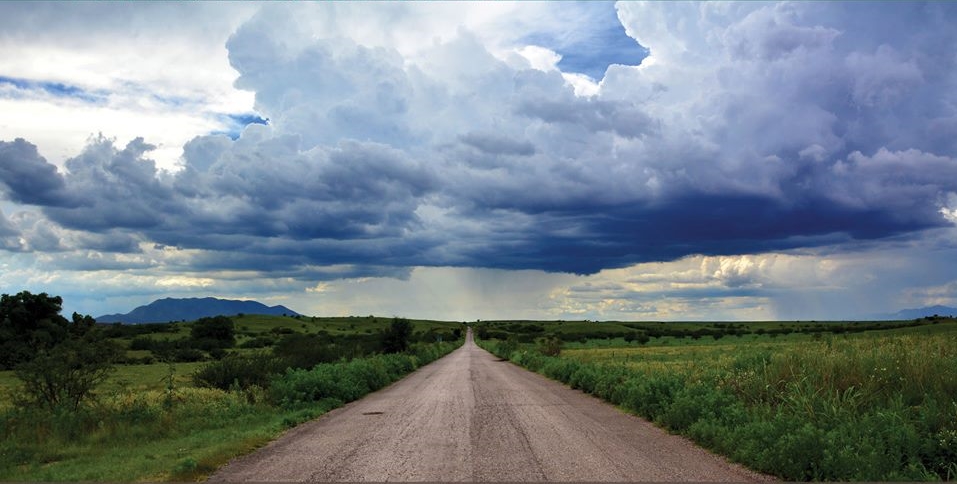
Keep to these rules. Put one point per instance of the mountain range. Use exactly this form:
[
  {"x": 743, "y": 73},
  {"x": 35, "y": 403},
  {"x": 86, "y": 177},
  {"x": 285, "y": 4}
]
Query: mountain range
[{"x": 188, "y": 309}]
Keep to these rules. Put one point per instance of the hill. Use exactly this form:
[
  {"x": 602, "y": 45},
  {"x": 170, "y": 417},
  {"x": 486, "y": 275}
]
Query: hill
[
  {"x": 173, "y": 309},
  {"x": 920, "y": 313}
]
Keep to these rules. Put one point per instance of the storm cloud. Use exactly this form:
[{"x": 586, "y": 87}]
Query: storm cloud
[{"x": 749, "y": 128}]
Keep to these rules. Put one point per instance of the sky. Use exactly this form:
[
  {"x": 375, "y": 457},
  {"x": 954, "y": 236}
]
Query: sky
[{"x": 488, "y": 160}]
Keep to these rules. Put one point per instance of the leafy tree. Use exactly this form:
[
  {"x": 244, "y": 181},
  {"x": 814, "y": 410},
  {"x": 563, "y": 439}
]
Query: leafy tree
[
  {"x": 58, "y": 361},
  {"x": 81, "y": 324},
  {"x": 31, "y": 323},
  {"x": 395, "y": 339}
]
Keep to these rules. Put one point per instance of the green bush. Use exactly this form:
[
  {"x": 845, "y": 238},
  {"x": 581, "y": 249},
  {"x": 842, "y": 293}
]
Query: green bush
[
  {"x": 215, "y": 332},
  {"x": 242, "y": 371},
  {"x": 550, "y": 346},
  {"x": 347, "y": 381},
  {"x": 257, "y": 342},
  {"x": 66, "y": 375}
]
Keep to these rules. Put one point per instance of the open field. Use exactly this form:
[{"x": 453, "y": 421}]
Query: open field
[
  {"x": 799, "y": 400},
  {"x": 159, "y": 421},
  {"x": 126, "y": 378},
  {"x": 872, "y": 405}
]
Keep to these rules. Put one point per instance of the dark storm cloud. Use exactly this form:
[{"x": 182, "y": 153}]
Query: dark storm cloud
[
  {"x": 27, "y": 177},
  {"x": 776, "y": 127},
  {"x": 111, "y": 188}
]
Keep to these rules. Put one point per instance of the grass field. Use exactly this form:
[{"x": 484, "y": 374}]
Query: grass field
[
  {"x": 152, "y": 422},
  {"x": 800, "y": 400},
  {"x": 873, "y": 405},
  {"x": 125, "y": 378}
]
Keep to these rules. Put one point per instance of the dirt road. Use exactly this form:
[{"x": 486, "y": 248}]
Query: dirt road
[{"x": 471, "y": 417}]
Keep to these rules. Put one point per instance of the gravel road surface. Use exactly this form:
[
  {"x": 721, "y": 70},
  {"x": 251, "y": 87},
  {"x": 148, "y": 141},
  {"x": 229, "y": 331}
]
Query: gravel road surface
[{"x": 471, "y": 417}]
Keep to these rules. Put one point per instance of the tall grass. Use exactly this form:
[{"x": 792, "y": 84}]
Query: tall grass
[{"x": 874, "y": 408}]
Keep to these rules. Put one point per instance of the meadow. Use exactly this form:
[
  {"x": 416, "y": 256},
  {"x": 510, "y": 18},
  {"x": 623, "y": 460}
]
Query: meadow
[
  {"x": 155, "y": 419},
  {"x": 800, "y": 401}
]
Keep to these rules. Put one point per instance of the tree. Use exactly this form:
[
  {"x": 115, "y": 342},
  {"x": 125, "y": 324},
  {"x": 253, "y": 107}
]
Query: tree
[
  {"x": 31, "y": 323},
  {"x": 81, "y": 324},
  {"x": 58, "y": 361},
  {"x": 395, "y": 339}
]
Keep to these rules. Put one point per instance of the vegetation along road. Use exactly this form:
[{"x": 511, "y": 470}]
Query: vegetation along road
[{"x": 473, "y": 417}]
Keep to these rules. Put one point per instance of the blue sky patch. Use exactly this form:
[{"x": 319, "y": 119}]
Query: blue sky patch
[
  {"x": 57, "y": 89},
  {"x": 599, "y": 42},
  {"x": 236, "y": 123}
]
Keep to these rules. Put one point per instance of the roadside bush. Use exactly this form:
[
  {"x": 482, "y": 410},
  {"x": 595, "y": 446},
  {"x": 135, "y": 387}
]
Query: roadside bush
[
  {"x": 509, "y": 346},
  {"x": 347, "y": 381},
  {"x": 550, "y": 346}
]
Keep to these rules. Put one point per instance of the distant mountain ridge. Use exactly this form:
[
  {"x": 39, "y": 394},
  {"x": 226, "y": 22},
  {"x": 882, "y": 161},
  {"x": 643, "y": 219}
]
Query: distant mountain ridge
[
  {"x": 178, "y": 309},
  {"x": 918, "y": 313}
]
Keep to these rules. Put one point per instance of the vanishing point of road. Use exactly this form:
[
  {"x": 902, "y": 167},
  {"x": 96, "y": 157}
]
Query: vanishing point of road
[{"x": 472, "y": 417}]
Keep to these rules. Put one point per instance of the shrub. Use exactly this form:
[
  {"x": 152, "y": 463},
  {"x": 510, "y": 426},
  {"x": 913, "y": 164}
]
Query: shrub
[
  {"x": 550, "y": 346},
  {"x": 347, "y": 381},
  {"x": 257, "y": 342},
  {"x": 66, "y": 375},
  {"x": 396, "y": 338},
  {"x": 215, "y": 332},
  {"x": 242, "y": 371},
  {"x": 303, "y": 351},
  {"x": 185, "y": 355},
  {"x": 143, "y": 343}
]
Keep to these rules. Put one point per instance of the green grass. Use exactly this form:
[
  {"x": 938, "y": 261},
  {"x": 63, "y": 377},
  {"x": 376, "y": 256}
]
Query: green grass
[
  {"x": 142, "y": 436},
  {"x": 874, "y": 405},
  {"x": 124, "y": 379},
  {"x": 140, "y": 430}
]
